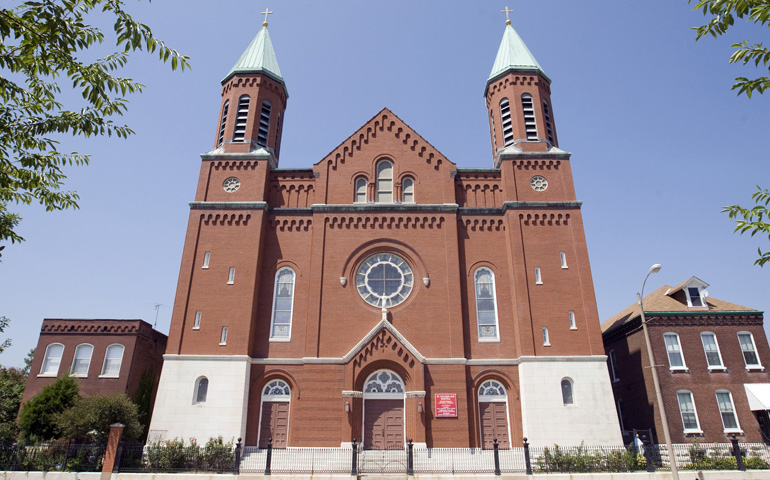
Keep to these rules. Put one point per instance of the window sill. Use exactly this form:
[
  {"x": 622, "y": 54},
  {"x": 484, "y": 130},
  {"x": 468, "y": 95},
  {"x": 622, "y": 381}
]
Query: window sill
[
  {"x": 222, "y": 344},
  {"x": 736, "y": 431},
  {"x": 564, "y": 267},
  {"x": 489, "y": 340},
  {"x": 109, "y": 376},
  {"x": 280, "y": 339},
  {"x": 755, "y": 368},
  {"x": 547, "y": 344},
  {"x": 679, "y": 369},
  {"x": 47, "y": 375},
  {"x": 539, "y": 283},
  {"x": 693, "y": 432},
  {"x": 196, "y": 328},
  {"x": 231, "y": 283},
  {"x": 615, "y": 380},
  {"x": 79, "y": 375},
  {"x": 573, "y": 328},
  {"x": 205, "y": 268},
  {"x": 718, "y": 369}
]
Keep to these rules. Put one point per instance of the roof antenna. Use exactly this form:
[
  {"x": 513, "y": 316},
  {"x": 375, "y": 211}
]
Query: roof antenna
[{"x": 157, "y": 306}]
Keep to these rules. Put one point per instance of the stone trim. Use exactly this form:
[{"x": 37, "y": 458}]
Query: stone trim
[
  {"x": 383, "y": 207},
  {"x": 416, "y": 394},
  {"x": 427, "y": 361},
  {"x": 228, "y": 205},
  {"x": 352, "y": 394}
]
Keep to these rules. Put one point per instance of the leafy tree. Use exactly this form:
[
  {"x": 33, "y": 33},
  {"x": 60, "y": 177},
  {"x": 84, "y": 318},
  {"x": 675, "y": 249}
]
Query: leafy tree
[
  {"x": 12, "y": 382},
  {"x": 722, "y": 15},
  {"x": 754, "y": 220},
  {"x": 4, "y": 321},
  {"x": 41, "y": 43},
  {"x": 96, "y": 414},
  {"x": 37, "y": 419}
]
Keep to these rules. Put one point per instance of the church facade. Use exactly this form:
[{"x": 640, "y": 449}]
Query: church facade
[{"x": 385, "y": 293}]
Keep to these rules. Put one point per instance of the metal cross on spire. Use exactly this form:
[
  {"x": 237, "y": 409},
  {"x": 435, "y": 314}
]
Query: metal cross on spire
[
  {"x": 506, "y": 12},
  {"x": 268, "y": 12}
]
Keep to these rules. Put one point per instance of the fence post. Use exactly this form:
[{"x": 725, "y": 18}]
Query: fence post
[
  {"x": 497, "y": 456},
  {"x": 354, "y": 464},
  {"x": 269, "y": 458},
  {"x": 737, "y": 453},
  {"x": 237, "y": 466},
  {"x": 410, "y": 458},
  {"x": 113, "y": 450},
  {"x": 527, "y": 461},
  {"x": 648, "y": 458}
]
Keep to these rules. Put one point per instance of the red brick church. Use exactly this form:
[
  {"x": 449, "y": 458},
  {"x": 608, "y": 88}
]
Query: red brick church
[{"x": 385, "y": 293}]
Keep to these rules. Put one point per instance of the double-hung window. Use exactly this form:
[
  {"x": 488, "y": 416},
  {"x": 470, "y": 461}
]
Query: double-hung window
[
  {"x": 112, "y": 361},
  {"x": 749, "y": 350},
  {"x": 52, "y": 360},
  {"x": 82, "y": 360},
  {"x": 613, "y": 366},
  {"x": 711, "y": 348},
  {"x": 674, "y": 351},
  {"x": 727, "y": 411},
  {"x": 687, "y": 411}
]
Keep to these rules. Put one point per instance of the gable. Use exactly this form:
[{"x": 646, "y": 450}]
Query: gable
[{"x": 385, "y": 137}]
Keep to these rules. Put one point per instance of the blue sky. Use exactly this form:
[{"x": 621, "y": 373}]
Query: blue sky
[{"x": 659, "y": 141}]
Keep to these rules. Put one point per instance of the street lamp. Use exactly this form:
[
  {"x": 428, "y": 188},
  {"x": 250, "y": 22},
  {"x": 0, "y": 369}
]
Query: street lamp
[{"x": 663, "y": 420}]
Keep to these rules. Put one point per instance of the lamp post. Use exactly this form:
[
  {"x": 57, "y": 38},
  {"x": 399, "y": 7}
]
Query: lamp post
[{"x": 662, "y": 409}]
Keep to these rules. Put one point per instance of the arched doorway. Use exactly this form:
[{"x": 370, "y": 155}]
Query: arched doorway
[
  {"x": 384, "y": 411},
  {"x": 274, "y": 416},
  {"x": 493, "y": 414}
]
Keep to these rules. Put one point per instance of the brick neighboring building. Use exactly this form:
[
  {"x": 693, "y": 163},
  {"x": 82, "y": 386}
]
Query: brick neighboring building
[
  {"x": 106, "y": 356},
  {"x": 711, "y": 358},
  {"x": 384, "y": 293}
]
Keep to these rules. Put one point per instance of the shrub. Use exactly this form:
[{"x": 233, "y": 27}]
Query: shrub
[
  {"x": 36, "y": 421},
  {"x": 89, "y": 419},
  {"x": 175, "y": 456}
]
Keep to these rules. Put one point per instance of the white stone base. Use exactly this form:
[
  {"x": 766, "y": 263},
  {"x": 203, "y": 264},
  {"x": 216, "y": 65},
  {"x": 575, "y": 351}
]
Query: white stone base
[
  {"x": 224, "y": 411},
  {"x": 592, "y": 417}
]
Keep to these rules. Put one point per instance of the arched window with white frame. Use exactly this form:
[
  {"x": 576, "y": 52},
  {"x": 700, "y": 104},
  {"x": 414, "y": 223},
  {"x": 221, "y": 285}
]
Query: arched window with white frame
[
  {"x": 407, "y": 190},
  {"x": 274, "y": 415},
  {"x": 493, "y": 414},
  {"x": 201, "y": 390},
  {"x": 385, "y": 181},
  {"x": 283, "y": 304},
  {"x": 687, "y": 411},
  {"x": 52, "y": 360},
  {"x": 384, "y": 395},
  {"x": 567, "y": 391},
  {"x": 727, "y": 411},
  {"x": 486, "y": 304},
  {"x": 360, "y": 190},
  {"x": 82, "y": 360},
  {"x": 113, "y": 359}
]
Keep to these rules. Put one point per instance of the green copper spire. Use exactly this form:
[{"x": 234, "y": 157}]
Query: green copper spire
[
  {"x": 514, "y": 55},
  {"x": 259, "y": 57}
]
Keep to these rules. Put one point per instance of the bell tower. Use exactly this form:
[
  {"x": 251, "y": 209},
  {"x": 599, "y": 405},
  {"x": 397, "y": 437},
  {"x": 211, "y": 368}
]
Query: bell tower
[
  {"x": 518, "y": 98},
  {"x": 254, "y": 99}
]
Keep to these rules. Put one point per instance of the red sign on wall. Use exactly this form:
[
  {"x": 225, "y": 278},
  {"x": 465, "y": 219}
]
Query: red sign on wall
[{"x": 446, "y": 405}]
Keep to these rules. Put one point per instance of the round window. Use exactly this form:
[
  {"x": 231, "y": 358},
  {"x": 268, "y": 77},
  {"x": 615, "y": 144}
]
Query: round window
[
  {"x": 384, "y": 280},
  {"x": 538, "y": 183},
  {"x": 231, "y": 184}
]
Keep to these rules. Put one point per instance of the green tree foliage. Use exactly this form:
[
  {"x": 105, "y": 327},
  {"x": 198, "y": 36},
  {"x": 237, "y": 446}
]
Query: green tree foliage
[
  {"x": 37, "y": 419},
  {"x": 4, "y": 321},
  {"x": 755, "y": 220},
  {"x": 12, "y": 382},
  {"x": 43, "y": 42},
  {"x": 722, "y": 15},
  {"x": 90, "y": 418}
]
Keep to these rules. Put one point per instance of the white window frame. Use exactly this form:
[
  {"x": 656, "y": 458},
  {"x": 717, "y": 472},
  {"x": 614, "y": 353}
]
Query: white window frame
[
  {"x": 572, "y": 321},
  {"x": 407, "y": 188},
  {"x": 697, "y": 429},
  {"x": 197, "y": 389},
  {"x": 383, "y": 181},
  {"x": 197, "y": 321},
  {"x": 546, "y": 337},
  {"x": 613, "y": 366},
  {"x": 282, "y": 338},
  {"x": 538, "y": 276},
  {"x": 75, "y": 359},
  {"x": 563, "y": 259},
  {"x": 206, "y": 259},
  {"x": 571, "y": 384},
  {"x": 753, "y": 366},
  {"x": 231, "y": 276},
  {"x": 45, "y": 371},
  {"x": 223, "y": 336},
  {"x": 721, "y": 365},
  {"x": 675, "y": 335},
  {"x": 107, "y": 357},
  {"x": 689, "y": 296},
  {"x": 476, "y": 275},
  {"x": 359, "y": 194},
  {"x": 737, "y": 428}
]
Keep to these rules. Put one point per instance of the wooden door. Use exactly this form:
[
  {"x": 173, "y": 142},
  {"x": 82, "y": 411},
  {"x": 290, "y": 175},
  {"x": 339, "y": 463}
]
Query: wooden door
[
  {"x": 274, "y": 424},
  {"x": 384, "y": 424},
  {"x": 494, "y": 424}
]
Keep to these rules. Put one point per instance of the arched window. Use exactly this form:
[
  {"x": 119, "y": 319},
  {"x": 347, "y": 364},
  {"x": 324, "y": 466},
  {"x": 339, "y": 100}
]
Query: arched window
[
  {"x": 566, "y": 392},
  {"x": 242, "y": 116},
  {"x": 384, "y": 182},
  {"x": 528, "y": 110},
  {"x": 360, "y": 194},
  {"x": 201, "y": 390},
  {"x": 52, "y": 360},
  {"x": 505, "y": 118},
  {"x": 82, "y": 360},
  {"x": 384, "y": 382},
  {"x": 486, "y": 304},
  {"x": 674, "y": 350},
  {"x": 112, "y": 361},
  {"x": 264, "y": 123},
  {"x": 221, "y": 138},
  {"x": 687, "y": 411},
  {"x": 283, "y": 301},
  {"x": 548, "y": 124},
  {"x": 407, "y": 187},
  {"x": 274, "y": 417},
  {"x": 493, "y": 413}
]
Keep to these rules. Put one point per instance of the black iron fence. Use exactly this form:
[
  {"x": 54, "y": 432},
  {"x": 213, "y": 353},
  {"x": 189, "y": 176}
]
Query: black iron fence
[{"x": 52, "y": 456}]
